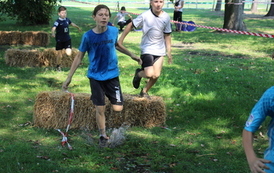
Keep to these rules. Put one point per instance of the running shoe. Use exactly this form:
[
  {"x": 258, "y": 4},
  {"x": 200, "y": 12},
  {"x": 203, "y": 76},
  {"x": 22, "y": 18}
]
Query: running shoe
[{"x": 136, "y": 80}]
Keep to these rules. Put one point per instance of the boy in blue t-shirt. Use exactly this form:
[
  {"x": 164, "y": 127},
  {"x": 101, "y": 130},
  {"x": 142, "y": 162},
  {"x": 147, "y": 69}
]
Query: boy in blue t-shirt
[
  {"x": 101, "y": 43},
  {"x": 263, "y": 108},
  {"x": 60, "y": 31}
]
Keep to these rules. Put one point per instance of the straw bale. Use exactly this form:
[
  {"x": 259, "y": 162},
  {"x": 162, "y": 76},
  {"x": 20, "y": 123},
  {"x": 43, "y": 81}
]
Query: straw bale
[
  {"x": 22, "y": 58},
  {"x": 49, "y": 57},
  {"x": 10, "y": 37},
  {"x": 35, "y": 38},
  {"x": 51, "y": 110}
]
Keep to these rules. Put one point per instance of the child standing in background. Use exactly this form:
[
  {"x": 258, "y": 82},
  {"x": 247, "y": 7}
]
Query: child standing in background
[{"x": 60, "y": 31}]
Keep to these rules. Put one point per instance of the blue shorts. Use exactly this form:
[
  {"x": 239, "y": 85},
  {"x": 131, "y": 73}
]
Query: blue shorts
[{"x": 110, "y": 88}]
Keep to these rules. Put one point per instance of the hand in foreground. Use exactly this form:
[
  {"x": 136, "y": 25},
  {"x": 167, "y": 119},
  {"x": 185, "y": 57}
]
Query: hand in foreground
[
  {"x": 258, "y": 165},
  {"x": 66, "y": 84},
  {"x": 139, "y": 60}
]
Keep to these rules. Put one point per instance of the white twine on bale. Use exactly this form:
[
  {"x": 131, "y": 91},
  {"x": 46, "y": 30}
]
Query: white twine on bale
[{"x": 64, "y": 135}]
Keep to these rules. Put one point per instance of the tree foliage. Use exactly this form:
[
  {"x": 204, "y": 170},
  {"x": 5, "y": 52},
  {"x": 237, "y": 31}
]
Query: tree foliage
[{"x": 29, "y": 12}]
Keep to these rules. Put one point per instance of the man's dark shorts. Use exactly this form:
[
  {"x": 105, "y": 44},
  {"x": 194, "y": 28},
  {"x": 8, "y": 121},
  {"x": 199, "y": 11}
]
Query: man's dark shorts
[
  {"x": 63, "y": 45},
  {"x": 110, "y": 88},
  {"x": 148, "y": 60}
]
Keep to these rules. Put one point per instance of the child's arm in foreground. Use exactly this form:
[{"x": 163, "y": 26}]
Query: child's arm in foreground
[
  {"x": 122, "y": 48},
  {"x": 76, "y": 62},
  {"x": 256, "y": 164}
]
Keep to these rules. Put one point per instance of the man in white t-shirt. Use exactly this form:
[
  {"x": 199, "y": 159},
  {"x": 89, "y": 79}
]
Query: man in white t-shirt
[
  {"x": 178, "y": 13},
  {"x": 121, "y": 15},
  {"x": 155, "y": 44}
]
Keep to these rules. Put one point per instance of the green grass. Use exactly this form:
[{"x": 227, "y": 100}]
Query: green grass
[{"x": 209, "y": 90}]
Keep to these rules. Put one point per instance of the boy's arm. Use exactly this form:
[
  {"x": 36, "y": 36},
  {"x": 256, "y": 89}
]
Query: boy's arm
[
  {"x": 120, "y": 47},
  {"x": 125, "y": 33},
  {"x": 53, "y": 31},
  {"x": 124, "y": 50},
  {"x": 114, "y": 20},
  {"x": 255, "y": 164},
  {"x": 74, "y": 25},
  {"x": 168, "y": 47},
  {"x": 76, "y": 62}
]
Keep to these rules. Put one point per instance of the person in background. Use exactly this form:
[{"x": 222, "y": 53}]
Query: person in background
[
  {"x": 178, "y": 13},
  {"x": 262, "y": 109},
  {"x": 101, "y": 43},
  {"x": 121, "y": 16},
  {"x": 155, "y": 44},
  {"x": 60, "y": 31}
]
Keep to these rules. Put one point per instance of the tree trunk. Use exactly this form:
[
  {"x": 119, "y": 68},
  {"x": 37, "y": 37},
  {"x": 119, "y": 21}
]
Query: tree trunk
[
  {"x": 218, "y": 5},
  {"x": 271, "y": 10},
  {"x": 233, "y": 17},
  {"x": 254, "y": 7}
]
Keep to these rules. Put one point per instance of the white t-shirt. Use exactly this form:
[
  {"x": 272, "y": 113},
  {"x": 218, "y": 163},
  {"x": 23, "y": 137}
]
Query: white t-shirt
[
  {"x": 121, "y": 17},
  {"x": 153, "y": 28},
  {"x": 181, "y": 9}
]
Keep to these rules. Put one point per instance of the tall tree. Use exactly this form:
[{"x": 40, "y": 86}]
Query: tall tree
[
  {"x": 233, "y": 17},
  {"x": 254, "y": 6},
  {"x": 29, "y": 12},
  {"x": 218, "y": 5},
  {"x": 271, "y": 10}
]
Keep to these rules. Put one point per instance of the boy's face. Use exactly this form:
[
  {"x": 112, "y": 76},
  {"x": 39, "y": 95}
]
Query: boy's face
[
  {"x": 102, "y": 17},
  {"x": 157, "y": 5},
  {"x": 62, "y": 14}
]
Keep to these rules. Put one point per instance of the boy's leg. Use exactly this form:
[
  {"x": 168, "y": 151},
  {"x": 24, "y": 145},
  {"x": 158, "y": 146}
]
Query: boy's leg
[
  {"x": 59, "y": 60},
  {"x": 68, "y": 51},
  {"x": 153, "y": 72},
  {"x": 101, "y": 120}
]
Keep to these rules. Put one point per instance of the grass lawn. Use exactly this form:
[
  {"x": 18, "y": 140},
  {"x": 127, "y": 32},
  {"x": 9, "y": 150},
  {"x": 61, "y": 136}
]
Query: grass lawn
[{"x": 209, "y": 90}]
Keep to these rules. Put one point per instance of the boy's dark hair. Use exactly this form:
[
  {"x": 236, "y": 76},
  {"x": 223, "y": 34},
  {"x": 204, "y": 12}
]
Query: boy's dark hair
[
  {"x": 99, "y": 7},
  {"x": 61, "y": 8},
  {"x": 123, "y": 8}
]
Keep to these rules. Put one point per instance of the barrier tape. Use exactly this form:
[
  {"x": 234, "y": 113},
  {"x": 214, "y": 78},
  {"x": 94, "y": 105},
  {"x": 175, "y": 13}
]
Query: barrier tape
[
  {"x": 228, "y": 30},
  {"x": 219, "y": 29},
  {"x": 64, "y": 135}
]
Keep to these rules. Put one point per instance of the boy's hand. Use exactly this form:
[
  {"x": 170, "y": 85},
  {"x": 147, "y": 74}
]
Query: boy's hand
[{"x": 258, "y": 165}]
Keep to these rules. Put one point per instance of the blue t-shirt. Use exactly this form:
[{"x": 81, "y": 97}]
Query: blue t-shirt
[
  {"x": 62, "y": 29},
  {"x": 263, "y": 108},
  {"x": 103, "y": 62}
]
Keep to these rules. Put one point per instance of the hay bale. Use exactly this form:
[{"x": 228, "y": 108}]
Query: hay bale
[
  {"x": 10, "y": 37},
  {"x": 49, "y": 57},
  {"x": 37, "y": 58},
  {"x": 51, "y": 110},
  {"x": 22, "y": 58},
  {"x": 35, "y": 38}
]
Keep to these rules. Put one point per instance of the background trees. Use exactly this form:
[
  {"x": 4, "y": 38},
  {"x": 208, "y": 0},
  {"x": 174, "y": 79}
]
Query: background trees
[{"x": 29, "y": 12}]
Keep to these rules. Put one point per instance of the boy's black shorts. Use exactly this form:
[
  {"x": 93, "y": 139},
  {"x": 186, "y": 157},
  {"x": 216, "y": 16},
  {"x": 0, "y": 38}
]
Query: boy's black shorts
[
  {"x": 63, "y": 45},
  {"x": 110, "y": 88},
  {"x": 148, "y": 60}
]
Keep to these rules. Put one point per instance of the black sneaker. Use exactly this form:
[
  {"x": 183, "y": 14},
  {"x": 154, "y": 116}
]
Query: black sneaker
[
  {"x": 103, "y": 142},
  {"x": 143, "y": 94},
  {"x": 136, "y": 80}
]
